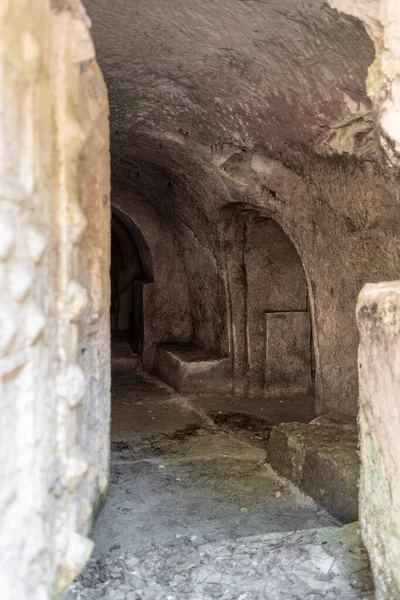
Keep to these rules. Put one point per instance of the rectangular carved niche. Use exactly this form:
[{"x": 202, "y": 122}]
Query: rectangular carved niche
[{"x": 288, "y": 351}]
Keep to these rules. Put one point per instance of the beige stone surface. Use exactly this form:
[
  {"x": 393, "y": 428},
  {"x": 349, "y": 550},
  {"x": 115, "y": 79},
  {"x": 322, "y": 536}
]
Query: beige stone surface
[
  {"x": 187, "y": 368},
  {"x": 378, "y": 317},
  {"x": 263, "y": 275},
  {"x": 260, "y": 105},
  {"x": 54, "y": 261}
]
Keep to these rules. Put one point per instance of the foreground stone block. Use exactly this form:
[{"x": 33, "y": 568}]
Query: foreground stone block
[
  {"x": 378, "y": 318},
  {"x": 322, "y": 459}
]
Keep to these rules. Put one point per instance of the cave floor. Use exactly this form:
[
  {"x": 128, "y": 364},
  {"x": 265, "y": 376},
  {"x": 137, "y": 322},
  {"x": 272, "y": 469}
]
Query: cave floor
[{"x": 195, "y": 512}]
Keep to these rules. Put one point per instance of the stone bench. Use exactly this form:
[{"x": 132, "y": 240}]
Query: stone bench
[{"x": 188, "y": 368}]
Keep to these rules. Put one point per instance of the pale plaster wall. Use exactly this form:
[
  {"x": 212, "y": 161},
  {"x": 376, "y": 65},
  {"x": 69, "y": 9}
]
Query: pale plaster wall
[{"x": 54, "y": 295}]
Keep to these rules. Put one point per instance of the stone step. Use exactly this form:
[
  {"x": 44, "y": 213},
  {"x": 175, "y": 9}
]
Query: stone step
[
  {"x": 321, "y": 458},
  {"x": 189, "y": 368}
]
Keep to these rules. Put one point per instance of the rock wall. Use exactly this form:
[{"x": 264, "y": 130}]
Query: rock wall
[
  {"x": 194, "y": 84},
  {"x": 342, "y": 216},
  {"x": 381, "y": 19},
  {"x": 54, "y": 295}
]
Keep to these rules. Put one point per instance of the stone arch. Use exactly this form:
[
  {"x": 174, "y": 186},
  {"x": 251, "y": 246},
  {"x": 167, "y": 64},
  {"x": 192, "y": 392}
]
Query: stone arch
[
  {"x": 269, "y": 303},
  {"x": 123, "y": 222}
]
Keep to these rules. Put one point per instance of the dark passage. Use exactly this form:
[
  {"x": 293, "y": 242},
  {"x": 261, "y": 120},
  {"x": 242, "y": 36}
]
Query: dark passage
[{"x": 129, "y": 270}]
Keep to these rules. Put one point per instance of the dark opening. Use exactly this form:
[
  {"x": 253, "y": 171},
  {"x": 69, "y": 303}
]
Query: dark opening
[{"x": 130, "y": 269}]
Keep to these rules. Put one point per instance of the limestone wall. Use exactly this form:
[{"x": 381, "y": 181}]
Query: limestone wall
[
  {"x": 54, "y": 295},
  {"x": 283, "y": 90},
  {"x": 340, "y": 212}
]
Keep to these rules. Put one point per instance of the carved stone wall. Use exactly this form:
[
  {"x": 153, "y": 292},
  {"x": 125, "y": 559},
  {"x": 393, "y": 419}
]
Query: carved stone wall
[
  {"x": 263, "y": 275},
  {"x": 54, "y": 295}
]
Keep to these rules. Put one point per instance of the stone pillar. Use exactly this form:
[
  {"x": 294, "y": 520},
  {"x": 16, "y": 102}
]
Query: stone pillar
[
  {"x": 378, "y": 318},
  {"x": 236, "y": 297}
]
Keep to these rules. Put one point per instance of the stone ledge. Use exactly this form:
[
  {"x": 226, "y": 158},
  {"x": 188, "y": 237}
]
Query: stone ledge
[
  {"x": 321, "y": 458},
  {"x": 189, "y": 368}
]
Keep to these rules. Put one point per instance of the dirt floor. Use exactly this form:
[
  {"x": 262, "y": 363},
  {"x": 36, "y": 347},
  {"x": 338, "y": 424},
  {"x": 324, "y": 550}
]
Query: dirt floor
[{"x": 189, "y": 481}]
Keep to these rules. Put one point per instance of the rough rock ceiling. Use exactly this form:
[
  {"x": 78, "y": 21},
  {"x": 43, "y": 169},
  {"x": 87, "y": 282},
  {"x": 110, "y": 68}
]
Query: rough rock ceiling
[{"x": 268, "y": 73}]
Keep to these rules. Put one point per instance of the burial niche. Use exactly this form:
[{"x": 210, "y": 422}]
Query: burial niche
[{"x": 270, "y": 329}]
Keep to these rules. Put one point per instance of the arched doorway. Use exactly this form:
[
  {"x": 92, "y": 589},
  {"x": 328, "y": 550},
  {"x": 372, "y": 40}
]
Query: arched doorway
[
  {"x": 131, "y": 267},
  {"x": 270, "y": 325}
]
